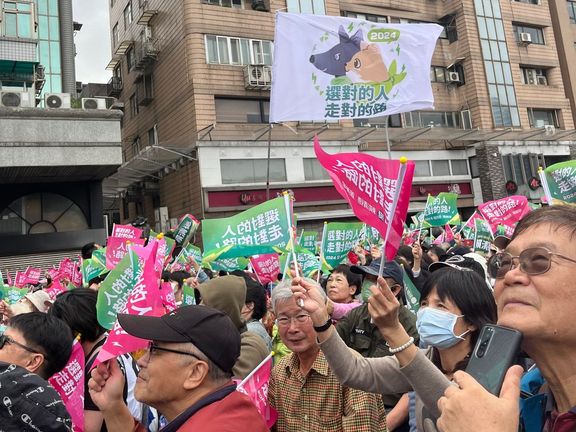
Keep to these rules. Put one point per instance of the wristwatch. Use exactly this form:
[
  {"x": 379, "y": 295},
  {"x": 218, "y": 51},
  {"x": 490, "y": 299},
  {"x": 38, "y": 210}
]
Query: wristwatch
[{"x": 324, "y": 326}]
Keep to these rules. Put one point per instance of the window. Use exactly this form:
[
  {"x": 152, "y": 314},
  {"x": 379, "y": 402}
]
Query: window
[
  {"x": 459, "y": 167},
  {"x": 252, "y": 170},
  {"x": 422, "y": 168},
  {"x": 242, "y": 110},
  {"x": 148, "y": 87},
  {"x": 115, "y": 35},
  {"x": 367, "y": 17},
  {"x": 130, "y": 59},
  {"x": 437, "y": 74},
  {"x": 520, "y": 168},
  {"x": 306, "y": 6},
  {"x": 226, "y": 3},
  {"x": 572, "y": 10},
  {"x": 534, "y": 2},
  {"x": 17, "y": 19},
  {"x": 394, "y": 120},
  {"x": 474, "y": 168},
  {"x": 136, "y": 146},
  {"x": 440, "y": 168},
  {"x": 314, "y": 171},
  {"x": 128, "y": 15},
  {"x": 237, "y": 51},
  {"x": 542, "y": 117},
  {"x": 134, "y": 105},
  {"x": 112, "y": 3},
  {"x": 451, "y": 119},
  {"x": 533, "y": 76},
  {"x": 536, "y": 33},
  {"x": 450, "y": 31},
  {"x": 153, "y": 136}
]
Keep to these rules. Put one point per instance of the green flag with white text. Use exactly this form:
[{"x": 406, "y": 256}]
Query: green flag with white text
[
  {"x": 441, "y": 210},
  {"x": 339, "y": 239},
  {"x": 561, "y": 179}
]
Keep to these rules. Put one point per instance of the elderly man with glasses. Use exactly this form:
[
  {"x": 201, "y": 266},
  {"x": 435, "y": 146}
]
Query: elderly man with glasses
[
  {"x": 185, "y": 374},
  {"x": 303, "y": 389},
  {"x": 535, "y": 294}
]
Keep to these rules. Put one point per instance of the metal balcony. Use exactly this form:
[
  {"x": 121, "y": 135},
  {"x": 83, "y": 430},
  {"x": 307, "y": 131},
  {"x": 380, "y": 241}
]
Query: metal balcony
[
  {"x": 148, "y": 55},
  {"x": 114, "y": 86}
]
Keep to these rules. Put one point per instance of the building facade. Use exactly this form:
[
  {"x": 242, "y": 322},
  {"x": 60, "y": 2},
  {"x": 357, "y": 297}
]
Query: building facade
[
  {"x": 52, "y": 157},
  {"x": 194, "y": 77}
]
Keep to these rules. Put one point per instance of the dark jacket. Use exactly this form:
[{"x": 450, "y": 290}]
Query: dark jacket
[{"x": 364, "y": 337}]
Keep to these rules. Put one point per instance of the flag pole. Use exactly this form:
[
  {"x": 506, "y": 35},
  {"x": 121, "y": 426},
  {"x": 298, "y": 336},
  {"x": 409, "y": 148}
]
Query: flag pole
[
  {"x": 544, "y": 182},
  {"x": 251, "y": 374},
  {"x": 268, "y": 163},
  {"x": 399, "y": 182},
  {"x": 387, "y": 138},
  {"x": 291, "y": 232},
  {"x": 321, "y": 252}
]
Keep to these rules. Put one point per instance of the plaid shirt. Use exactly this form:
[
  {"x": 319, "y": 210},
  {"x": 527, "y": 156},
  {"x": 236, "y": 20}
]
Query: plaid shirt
[{"x": 317, "y": 402}]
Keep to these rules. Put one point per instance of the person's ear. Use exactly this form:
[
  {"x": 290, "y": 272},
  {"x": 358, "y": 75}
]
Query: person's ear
[
  {"x": 34, "y": 362},
  {"x": 396, "y": 288},
  {"x": 196, "y": 374},
  {"x": 352, "y": 290}
]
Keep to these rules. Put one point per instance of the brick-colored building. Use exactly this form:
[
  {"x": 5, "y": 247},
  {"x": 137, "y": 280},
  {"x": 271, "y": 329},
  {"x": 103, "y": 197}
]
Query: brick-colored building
[{"x": 194, "y": 78}]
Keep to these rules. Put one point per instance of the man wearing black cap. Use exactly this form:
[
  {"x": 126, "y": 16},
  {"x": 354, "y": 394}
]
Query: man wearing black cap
[
  {"x": 357, "y": 330},
  {"x": 185, "y": 374}
]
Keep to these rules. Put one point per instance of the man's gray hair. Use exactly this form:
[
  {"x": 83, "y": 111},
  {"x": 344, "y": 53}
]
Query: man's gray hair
[
  {"x": 283, "y": 291},
  {"x": 217, "y": 375}
]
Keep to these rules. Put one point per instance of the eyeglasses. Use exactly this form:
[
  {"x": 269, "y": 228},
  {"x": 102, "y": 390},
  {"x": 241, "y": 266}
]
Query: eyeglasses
[
  {"x": 153, "y": 347},
  {"x": 286, "y": 321},
  {"x": 8, "y": 340},
  {"x": 532, "y": 261}
]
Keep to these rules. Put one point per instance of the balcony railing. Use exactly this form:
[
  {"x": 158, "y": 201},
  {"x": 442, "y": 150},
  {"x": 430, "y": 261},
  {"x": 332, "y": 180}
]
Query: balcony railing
[
  {"x": 114, "y": 86},
  {"x": 148, "y": 55}
]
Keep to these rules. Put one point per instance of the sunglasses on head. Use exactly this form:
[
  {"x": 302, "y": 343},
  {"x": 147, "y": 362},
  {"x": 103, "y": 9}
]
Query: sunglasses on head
[{"x": 532, "y": 261}]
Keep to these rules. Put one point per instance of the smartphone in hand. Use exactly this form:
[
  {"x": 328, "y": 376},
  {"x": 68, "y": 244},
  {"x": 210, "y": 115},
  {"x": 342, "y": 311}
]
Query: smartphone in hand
[{"x": 496, "y": 350}]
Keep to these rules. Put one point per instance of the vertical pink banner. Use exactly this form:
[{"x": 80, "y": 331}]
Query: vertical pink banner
[
  {"x": 266, "y": 267},
  {"x": 20, "y": 279},
  {"x": 117, "y": 248},
  {"x": 69, "y": 383}
]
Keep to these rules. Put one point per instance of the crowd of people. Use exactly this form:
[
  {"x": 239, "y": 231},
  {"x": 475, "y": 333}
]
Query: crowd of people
[{"x": 349, "y": 354}]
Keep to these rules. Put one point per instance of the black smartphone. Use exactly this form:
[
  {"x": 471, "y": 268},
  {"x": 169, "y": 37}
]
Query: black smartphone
[{"x": 496, "y": 350}]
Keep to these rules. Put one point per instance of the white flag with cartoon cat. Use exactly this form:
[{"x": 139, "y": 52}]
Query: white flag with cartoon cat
[{"x": 330, "y": 68}]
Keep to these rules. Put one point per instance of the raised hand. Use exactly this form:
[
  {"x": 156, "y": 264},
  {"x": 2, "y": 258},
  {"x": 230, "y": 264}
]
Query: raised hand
[
  {"x": 106, "y": 385},
  {"x": 309, "y": 298},
  {"x": 383, "y": 307}
]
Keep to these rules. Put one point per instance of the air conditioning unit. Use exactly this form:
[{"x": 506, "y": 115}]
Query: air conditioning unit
[
  {"x": 454, "y": 77},
  {"x": 57, "y": 100},
  {"x": 525, "y": 38},
  {"x": 16, "y": 99},
  {"x": 258, "y": 77},
  {"x": 549, "y": 129},
  {"x": 541, "y": 80},
  {"x": 148, "y": 32},
  {"x": 93, "y": 103}
]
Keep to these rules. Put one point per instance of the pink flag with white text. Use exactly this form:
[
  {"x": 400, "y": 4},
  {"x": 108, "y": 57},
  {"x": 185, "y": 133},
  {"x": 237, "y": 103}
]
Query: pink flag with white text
[
  {"x": 126, "y": 231},
  {"x": 448, "y": 234},
  {"x": 369, "y": 185},
  {"x": 116, "y": 248},
  {"x": 505, "y": 211},
  {"x": 167, "y": 297},
  {"x": 266, "y": 267},
  {"x": 69, "y": 383},
  {"x": 33, "y": 275},
  {"x": 144, "y": 299},
  {"x": 20, "y": 280},
  {"x": 255, "y": 386}
]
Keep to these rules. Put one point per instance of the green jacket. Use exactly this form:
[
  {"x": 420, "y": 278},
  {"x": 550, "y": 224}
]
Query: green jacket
[{"x": 364, "y": 337}]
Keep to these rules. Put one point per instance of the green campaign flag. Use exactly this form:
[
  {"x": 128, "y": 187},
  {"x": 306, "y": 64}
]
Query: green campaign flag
[
  {"x": 186, "y": 229},
  {"x": 212, "y": 255},
  {"x": 230, "y": 264},
  {"x": 91, "y": 268},
  {"x": 190, "y": 251},
  {"x": 1, "y": 280},
  {"x": 115, "y": 289},
  {"x": 467, "y": 232},
  {"x": 482, "y": 237},
  {"x": 259, "y": 230},
  {"x": 99, "y": 256},
  {"x": 561, "y": 180},
  {"x": 170, "y": 244},
  {"x": 411, "y": 292},
  {"x": 12, "y": 295},
  {"x": 441, "y": 210},
  {"x": 371, "y": 235},
  {"x": 308, "y": 240},
  {"x": 188, "y": 298},
  {"x": 308, "y": 261},
  {"x": 339, "y": 239}
]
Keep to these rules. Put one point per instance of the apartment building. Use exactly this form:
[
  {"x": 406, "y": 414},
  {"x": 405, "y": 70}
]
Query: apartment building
[
  {"x": 52, "y": 157},
  {"x": 194, "y": 77}
]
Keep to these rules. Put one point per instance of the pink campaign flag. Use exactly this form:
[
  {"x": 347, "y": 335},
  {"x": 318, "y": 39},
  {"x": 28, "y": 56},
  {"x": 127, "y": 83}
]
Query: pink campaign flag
[
  {"x": 33, "y": 275},
  {"x": 56, "y": 288},
  {"x": 20, "y": 279},
  {"x": 439, "y": 240},
  {"x": 448, "y": 234},
  {"x": 167, "y": 297},
  {"x": 144, "y": 299},
  {"x": 116, "y": 248},
  {"x": 255, "y": 386},
  {"x": 505, "y": 211},
  {"x": 69, "y": 383},
  {"x": 369, "y": 185},
  {"x": 9, "y": 279},
  {"x": 126, "y": 231},
  {"x": 66, "y": 268},
  {"x": 266, "y": 267},
  {"x": 471, "y": 222}
]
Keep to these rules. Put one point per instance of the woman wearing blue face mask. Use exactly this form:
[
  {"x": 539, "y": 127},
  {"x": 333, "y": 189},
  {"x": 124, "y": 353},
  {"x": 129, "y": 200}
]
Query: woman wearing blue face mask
[{"x": 455, "y": 304}]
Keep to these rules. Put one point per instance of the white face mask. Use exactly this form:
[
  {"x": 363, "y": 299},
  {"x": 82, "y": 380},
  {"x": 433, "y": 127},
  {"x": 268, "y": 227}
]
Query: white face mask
[{"x": 436, "y": 328}]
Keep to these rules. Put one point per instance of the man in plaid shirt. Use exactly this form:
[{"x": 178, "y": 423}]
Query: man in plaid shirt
[{"x": 303, "y": 389}]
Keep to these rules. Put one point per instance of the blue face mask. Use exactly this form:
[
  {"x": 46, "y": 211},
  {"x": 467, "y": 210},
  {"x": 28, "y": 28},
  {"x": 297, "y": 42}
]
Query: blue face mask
[{"x": 436, "y": 328}]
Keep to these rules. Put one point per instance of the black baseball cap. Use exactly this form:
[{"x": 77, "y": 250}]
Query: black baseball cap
[
  {"x": 210, "y": 330},
  {"x": 391, "y": 270},
  {"x": 459, "y": 262}
]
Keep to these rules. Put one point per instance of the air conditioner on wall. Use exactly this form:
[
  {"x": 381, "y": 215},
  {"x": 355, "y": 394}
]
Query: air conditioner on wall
[
  {"x": 453, "y": 77},
  {"x": 57, "y": 100},
  {"x": 541, "y": 80},
  {"x": 258, "y": 77},
  {"x": 16, "y": 99},
  {"x": 93, "y": 103},
  {"x": 549, "y": 129},
  {"x": 525, "y": 38}
]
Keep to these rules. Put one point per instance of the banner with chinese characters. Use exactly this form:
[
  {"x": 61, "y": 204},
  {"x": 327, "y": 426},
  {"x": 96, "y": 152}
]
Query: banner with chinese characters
[
  {"x": 126, "y": 231},
  {"x": 330, "y": 68},
  {"x": 482, "y": 237},
  {"x": 266, "y": 267},
  {"x": 186, "y": 229},
  {"x": 230, "y": 264},
  {"x": 371, "y": 235},
  {"x": 308, "y": 240},
  {"x": 261, "y": 229},
  {"x": 308, "y": 262},
  {"x": 561, "y": 179},
  {"x": 505, "y": 211},
  {"x": 182, "y": 261},
  {"x": 339, "y": 239},
  {"x": 91, "y": 269},
  {"x": 116, "y": 249},
  {"x": 12, "y": 295},
  {"x": 369, "y": 185},
  {"x": 441, "y": 210}
]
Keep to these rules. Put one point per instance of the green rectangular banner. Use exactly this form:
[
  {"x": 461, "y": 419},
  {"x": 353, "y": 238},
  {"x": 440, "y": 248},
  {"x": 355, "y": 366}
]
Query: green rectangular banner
[
  {"x": 308, "y": 240},
  {"x": 441, "y": 210},
  {"x": 561, "y": 179},
  {"x": 482, "y": 237},
  {"x": 339, "y": 239}
]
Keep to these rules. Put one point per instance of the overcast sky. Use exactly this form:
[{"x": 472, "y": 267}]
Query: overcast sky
[{"x": 93, "y": 41}]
